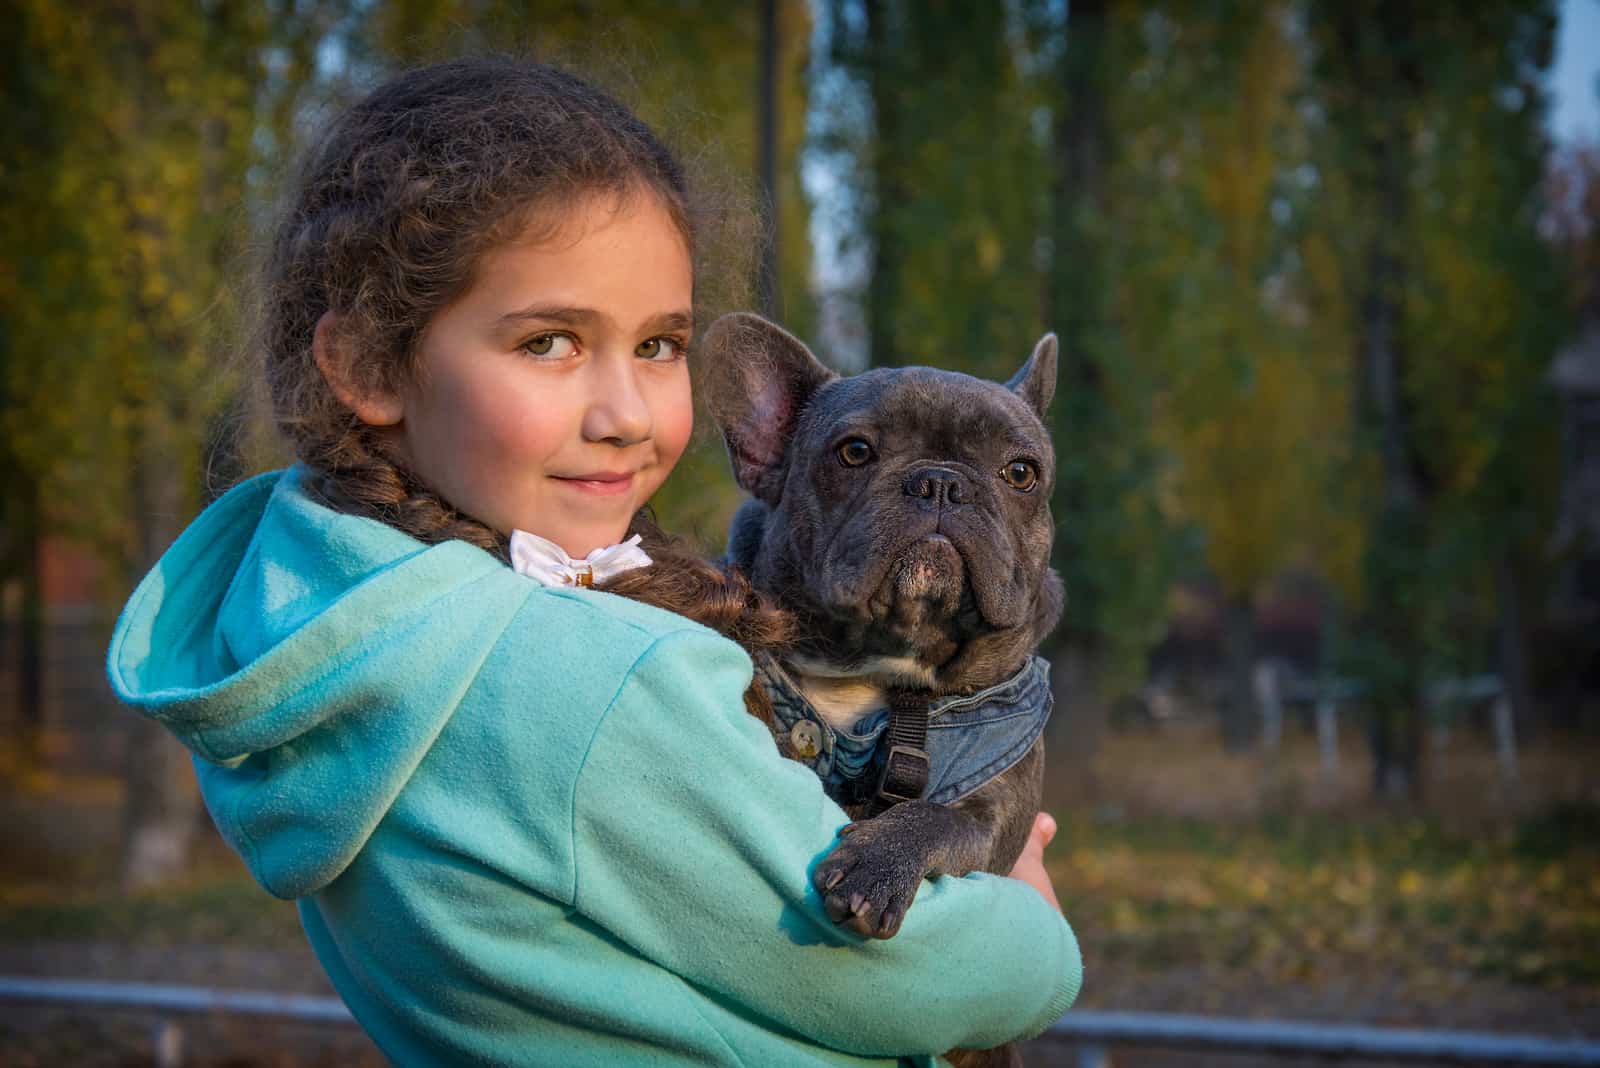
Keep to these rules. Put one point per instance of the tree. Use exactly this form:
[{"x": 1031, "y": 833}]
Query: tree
[
  {"x": 1114, "y": 548},
  {"x": 1434, "y": 118},
  {"x": 1246, "y": 399},
  {"x": 985, "y": 197},
  {"x": 133, "y": 202}
]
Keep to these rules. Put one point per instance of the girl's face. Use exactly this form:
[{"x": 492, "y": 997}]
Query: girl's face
[{"x": 553, "y": 397}]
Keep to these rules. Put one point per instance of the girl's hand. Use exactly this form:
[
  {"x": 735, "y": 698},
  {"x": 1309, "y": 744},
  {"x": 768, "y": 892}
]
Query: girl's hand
[{"x": 1030, "y": 866}]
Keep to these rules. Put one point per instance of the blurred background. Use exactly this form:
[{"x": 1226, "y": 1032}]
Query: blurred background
[{"x": 1327, "y": 282}]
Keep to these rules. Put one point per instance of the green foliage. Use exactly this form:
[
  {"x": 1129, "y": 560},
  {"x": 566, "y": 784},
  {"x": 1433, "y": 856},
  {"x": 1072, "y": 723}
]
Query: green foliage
[
  {"x": 1433, "y": 144},
  {"x": 1192, "y": 195},
  {"x": 1248, "y": 402},
  {"x": 127, "y": 186},
  {"x": 955, "y": 179}
]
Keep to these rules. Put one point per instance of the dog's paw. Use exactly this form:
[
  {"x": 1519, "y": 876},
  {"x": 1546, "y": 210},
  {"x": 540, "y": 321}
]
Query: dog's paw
[{"x": 869, "y": 880}]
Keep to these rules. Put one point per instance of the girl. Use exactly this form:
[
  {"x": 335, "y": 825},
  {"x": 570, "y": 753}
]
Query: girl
[{"x": 525, "y": 822}]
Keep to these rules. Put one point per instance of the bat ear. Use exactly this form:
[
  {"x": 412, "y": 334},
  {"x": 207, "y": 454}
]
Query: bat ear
[
  {"x": 1036, "y": 382},
  {"x": 758, "y": 378}
]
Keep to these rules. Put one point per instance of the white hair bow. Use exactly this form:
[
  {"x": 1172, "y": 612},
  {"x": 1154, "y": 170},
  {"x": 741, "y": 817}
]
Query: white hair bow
[{"x": 544, "y": 560}]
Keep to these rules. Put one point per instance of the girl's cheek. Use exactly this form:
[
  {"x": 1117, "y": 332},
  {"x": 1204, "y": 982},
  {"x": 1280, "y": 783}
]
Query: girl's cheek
[
  {"x": 519, "y": 424},
  {"x": 677, "y": 422}
]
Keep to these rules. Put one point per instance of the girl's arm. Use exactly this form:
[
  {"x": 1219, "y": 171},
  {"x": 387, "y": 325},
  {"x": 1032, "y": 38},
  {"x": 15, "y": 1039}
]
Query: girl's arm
[{"x": 694, "y": 840}]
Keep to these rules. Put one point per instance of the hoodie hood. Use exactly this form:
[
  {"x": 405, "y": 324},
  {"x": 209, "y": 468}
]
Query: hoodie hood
[{"x": 308, "y": 659}]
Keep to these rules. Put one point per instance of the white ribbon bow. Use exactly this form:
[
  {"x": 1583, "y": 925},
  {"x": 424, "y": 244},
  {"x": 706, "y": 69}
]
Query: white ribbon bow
[{"x": 544, "y": 560}]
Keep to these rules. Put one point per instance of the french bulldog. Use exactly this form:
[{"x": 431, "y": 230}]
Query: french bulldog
[{"x": 903, "y": 516}]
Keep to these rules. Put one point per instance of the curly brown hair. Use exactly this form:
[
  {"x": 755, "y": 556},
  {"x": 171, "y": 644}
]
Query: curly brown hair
[{"x": 389, "y": 215}]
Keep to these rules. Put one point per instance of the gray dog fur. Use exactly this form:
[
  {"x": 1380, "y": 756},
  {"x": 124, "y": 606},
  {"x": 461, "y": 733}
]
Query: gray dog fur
[{"x": 919, "y": 568}]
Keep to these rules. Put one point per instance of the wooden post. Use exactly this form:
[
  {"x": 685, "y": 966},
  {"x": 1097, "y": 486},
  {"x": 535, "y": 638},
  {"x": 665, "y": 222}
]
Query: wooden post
[
  {"x": 1328, "y": 734},
  {"x": 1505, "y": 743},
  {"x": 1270, "y": 700}
]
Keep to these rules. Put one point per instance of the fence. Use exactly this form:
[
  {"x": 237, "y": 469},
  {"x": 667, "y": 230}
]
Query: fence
[
  {"x": 1091, "y": 1033},
  {"x": 1276, "y": 687}
]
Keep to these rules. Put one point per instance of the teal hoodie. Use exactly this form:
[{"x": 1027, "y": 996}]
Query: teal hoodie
[{"x": 536, "y": 826}]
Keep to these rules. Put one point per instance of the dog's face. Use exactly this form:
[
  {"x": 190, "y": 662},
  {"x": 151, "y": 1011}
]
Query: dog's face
[{"x": 906, "y": 511}]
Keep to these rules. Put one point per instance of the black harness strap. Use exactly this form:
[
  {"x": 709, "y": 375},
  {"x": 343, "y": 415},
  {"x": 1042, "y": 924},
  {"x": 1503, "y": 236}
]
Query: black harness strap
[{"x": 906, "y": 765}]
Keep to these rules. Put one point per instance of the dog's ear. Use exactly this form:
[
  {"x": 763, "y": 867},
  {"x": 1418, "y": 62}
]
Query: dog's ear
[
  {"x": 757, "y": 378},
  {"x": 1036, "y": 382}
]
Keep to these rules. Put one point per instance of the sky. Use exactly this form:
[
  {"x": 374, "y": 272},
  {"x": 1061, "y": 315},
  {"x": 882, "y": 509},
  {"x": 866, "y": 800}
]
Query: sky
[{"x": 1575, "y": 78}]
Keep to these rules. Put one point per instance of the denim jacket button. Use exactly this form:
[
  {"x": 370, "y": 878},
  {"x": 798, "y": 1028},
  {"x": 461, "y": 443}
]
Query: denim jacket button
[{"x": 805, "y": 737}]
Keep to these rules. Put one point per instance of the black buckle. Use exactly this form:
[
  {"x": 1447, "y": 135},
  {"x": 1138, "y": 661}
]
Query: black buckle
[{"x": 915, "y": 779}]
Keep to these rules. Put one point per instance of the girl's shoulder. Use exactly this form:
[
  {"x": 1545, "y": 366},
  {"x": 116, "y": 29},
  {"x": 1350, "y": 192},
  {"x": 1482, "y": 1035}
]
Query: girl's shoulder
[{"x": 604, "y": 633}]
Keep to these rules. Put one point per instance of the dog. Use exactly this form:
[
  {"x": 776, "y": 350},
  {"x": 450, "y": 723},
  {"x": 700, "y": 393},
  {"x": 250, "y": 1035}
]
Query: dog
[{"x": 903, "y": 516}]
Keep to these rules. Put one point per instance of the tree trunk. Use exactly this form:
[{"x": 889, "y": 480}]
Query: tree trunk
[
  {"x": 31, "y": 637},
  {"x": 1071, "y": 303},
  {"x": 1397, "y": 550},
  {"x": 889, "y": 192},
  {"x": 1079, "y": 720},
  {"x": 1513, "y": 655},
  {"x": 1327, "y": 711},
  {"x": 1077, "y": 724},
  {"x": 1394, "y": 666},
  {"x": 162, "y": 804},
  {"x": 1397, "y": 747},
  {"x": 1239, "y": 716},
  {"x": 767, "y": 142}
]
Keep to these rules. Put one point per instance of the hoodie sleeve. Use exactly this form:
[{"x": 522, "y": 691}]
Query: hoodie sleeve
[{"x": 693, "y": 842}]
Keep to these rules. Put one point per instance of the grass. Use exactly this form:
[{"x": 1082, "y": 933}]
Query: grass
[
  {"x": 1321, "y": 898},
  {"x": 1242, "y": 873},
  {"x": 1183, "y": 863}
]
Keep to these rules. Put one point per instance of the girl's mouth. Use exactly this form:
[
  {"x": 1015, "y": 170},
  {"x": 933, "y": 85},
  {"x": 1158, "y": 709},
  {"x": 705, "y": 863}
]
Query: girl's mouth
[{"x": 599, "y": 483}]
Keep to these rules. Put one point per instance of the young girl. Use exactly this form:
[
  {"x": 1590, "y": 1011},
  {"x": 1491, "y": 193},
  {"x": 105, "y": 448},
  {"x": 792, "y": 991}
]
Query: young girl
[{"x": 525, "y": 821}]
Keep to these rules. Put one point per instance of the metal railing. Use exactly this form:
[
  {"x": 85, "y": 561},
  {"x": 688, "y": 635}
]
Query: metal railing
[
  {"x": 1093, "y": 1034},
  {"x": 167, "y": 1002}
]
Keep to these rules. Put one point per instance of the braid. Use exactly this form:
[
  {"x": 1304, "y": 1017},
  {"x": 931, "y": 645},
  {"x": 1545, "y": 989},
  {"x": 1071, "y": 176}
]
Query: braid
[{"x": 359, "y": 476}]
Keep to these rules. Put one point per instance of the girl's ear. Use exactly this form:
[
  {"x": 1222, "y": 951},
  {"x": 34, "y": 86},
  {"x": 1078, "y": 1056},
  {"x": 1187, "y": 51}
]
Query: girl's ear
[{"x": 373, "y": 405}]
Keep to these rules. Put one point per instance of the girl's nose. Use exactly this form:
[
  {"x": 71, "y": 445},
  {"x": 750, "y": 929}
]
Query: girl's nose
[{"x": 618, "y": 411}]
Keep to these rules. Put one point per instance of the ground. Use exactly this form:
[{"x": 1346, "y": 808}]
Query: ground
[{"x": 1197, "y": 881}]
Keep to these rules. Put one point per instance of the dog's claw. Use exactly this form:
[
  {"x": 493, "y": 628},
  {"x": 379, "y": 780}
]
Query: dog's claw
[{"x": 865, "y": 887}]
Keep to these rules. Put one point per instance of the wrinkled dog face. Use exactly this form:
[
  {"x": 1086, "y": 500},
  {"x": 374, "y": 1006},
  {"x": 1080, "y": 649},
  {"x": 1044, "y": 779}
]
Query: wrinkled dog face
[{"x": 903, "y": 512}]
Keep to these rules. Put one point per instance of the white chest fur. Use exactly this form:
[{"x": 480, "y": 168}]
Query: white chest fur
[{"x": 843, "y": 699}]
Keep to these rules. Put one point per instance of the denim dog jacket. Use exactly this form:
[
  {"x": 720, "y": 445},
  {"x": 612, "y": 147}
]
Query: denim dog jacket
[{"x": 972, "y": 738}]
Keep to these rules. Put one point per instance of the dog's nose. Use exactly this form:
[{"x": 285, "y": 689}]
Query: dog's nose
[{"x": 937, "y": 487}]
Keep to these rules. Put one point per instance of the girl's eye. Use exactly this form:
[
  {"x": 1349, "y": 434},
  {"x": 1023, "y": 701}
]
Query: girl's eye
[
  {"x": 1020, "y": 475},
  {"x": 854, "y": 452},
  {"x": 660, "y": 348},
  {"x": 549, "y": 346}
]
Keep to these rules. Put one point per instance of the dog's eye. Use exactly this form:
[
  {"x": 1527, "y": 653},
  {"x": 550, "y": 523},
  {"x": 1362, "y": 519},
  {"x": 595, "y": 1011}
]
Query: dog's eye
[
  {"x": 854, "y": 452},
  {"x": 1021, "y": 475}
]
